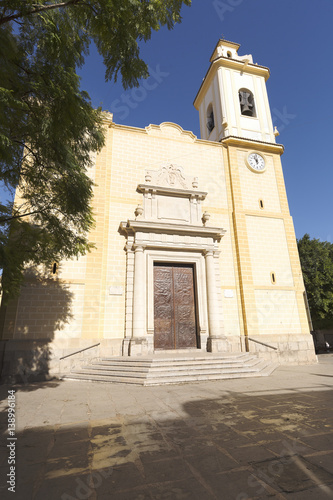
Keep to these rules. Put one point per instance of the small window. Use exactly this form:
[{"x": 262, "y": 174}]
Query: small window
[
  {"x": 229, "y": 54},
  {"x": 261, "y": 204},
  {"x": 210, "y": 119},
  {"x": 246, "y": 101},
  {"x": 273, "y": 278},
  {"x": 54, "y": 267}
]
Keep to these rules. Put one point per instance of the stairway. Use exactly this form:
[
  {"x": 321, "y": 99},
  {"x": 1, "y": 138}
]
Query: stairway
[{"x": 162, "y": 369}]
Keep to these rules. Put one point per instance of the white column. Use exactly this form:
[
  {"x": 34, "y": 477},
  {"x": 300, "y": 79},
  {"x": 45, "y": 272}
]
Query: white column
[
  {"x": 216, "y": 337},
  {"x": 213, "y": 311},
  {"x": 139, "y": 293}
]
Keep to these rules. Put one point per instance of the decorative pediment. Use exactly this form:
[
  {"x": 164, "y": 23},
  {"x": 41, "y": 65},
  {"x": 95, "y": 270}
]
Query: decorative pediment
[
  {"x": 171, "y": 176},
  {"x": 171, "y": 217},
  {"x": 172, "y": 130},
  {"x": 171, "y": 196}
]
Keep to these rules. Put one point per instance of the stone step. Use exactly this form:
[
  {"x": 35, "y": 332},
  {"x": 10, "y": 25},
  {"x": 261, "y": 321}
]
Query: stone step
[
  {"x": 152, "y": 364},
  {"x": 169, "y": 370},
  {"x": 199, "y": 366},
  {"x": 201, "y": 378},
  {"x": 107, "y": 379},
  {"x": 185, "y": 371},
  {"x": 171, "y": 380},
  {"x": 165, "y": 375},
  {"x": 149, "y": 360}
]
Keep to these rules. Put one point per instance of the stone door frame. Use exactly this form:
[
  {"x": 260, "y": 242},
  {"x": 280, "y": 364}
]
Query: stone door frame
[
  {"x": 146, "y": 246},
  {"x": 197, "y": 260},
  {"x": 170, "y": 227}
]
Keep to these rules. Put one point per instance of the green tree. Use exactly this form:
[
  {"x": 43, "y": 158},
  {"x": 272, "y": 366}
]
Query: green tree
[
  {"x": 317, "y": 265},
  {"x": 48, "y": 127}
]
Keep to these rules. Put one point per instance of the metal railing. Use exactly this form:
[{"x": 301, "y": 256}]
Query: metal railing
[
  {"x": 81, "y": 350},
  {"x": 263, "y": 343}
]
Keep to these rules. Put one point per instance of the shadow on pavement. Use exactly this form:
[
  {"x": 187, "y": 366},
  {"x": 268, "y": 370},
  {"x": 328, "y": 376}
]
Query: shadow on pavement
[
  {"x": 238, "y": 446},
  {"x": 27, "y": 387}
]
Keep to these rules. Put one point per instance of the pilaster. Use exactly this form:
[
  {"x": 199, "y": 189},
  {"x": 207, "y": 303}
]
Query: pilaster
[
  {"x": 216, "y": 341},
  {"x": 243, "y": 258},
  {"x": 95, "y": 278},
  {"x": 292, "y": 248}
]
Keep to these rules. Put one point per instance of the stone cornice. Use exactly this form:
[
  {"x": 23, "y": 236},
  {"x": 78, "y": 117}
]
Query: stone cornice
[
  {"x": 166, "y": 191},
  {"x": 132, "y": 226},
  {"x": 268, "y": 147}
]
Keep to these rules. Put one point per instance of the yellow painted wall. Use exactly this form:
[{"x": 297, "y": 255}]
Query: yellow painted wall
[{"x": 256, "y": 242}]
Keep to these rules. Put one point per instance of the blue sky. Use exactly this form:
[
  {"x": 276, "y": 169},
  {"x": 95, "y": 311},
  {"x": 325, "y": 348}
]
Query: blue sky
[{"x": 294, "y": 39}]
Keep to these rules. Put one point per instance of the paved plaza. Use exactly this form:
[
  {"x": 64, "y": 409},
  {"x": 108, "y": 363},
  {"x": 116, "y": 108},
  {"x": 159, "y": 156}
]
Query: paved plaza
[{"x": 257, "y": 438}]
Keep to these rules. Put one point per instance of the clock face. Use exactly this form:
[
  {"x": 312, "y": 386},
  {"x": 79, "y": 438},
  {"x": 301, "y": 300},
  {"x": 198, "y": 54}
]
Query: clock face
[{"x": 256, "y": 162}]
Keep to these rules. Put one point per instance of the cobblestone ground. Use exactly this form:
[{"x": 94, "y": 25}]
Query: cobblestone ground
[{"x": 257, "y": 438}]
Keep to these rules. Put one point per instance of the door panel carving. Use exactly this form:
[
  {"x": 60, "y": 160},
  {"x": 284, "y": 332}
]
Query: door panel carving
[
  {"x": 174, "y": 307},
  {"x": 163, "y": 308}
]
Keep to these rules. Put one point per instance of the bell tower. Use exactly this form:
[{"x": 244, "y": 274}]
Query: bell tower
[
  {"x": 232, "y": 99},
  {"x": 234, "y": 113}
]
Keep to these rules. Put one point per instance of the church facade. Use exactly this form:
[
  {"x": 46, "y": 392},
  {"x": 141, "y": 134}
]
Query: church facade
[{"x": 195, "y": 245}]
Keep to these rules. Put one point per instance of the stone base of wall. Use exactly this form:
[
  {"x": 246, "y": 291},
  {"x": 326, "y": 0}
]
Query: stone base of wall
[
  {"x": 290, "y": 349},
  {"x": 235, "y": 343},
  {"x": 145, "y": 346},
  {"x": 36, "y": 360}
]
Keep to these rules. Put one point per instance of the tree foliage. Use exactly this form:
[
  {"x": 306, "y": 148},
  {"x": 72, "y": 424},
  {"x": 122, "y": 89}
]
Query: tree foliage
[
  {"x": 317, "y": 265},
  {"x": 48, "y": 128}
]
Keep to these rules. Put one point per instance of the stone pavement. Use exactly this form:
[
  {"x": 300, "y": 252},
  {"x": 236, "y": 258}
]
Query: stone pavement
[{"x": 269, "y": 437}]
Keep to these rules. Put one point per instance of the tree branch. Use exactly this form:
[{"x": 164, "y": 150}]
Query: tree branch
[
  {"x": 3, "y": 221},
  {"x": 25, "y": 146},
  {"x": 43, "y": 8}
]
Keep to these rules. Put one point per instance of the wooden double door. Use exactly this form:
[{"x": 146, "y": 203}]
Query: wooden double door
[{"x": 175, "y": 325}]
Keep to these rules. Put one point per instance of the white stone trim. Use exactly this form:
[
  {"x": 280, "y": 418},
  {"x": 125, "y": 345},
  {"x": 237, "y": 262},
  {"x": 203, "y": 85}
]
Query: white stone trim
[{"x": 163, "y": 234}]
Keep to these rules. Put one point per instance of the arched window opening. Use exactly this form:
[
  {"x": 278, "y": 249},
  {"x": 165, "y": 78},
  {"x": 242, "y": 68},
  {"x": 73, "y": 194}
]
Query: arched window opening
[
  {"x": 246, "y": 101},
  {"x": 229, "y": 54},
  {"x": 210, "y": 118}
]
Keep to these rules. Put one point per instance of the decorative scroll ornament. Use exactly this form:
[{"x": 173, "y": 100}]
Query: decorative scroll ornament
[{"x": 168, "y": 176}]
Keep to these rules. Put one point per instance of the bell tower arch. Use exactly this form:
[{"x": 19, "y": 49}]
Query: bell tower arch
[{"x": 234, "y": 89}]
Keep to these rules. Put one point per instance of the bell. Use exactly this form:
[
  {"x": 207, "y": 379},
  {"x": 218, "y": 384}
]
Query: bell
[
  {"x": 246, "y": 110},
  {"x": 246, "y": 105}
]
